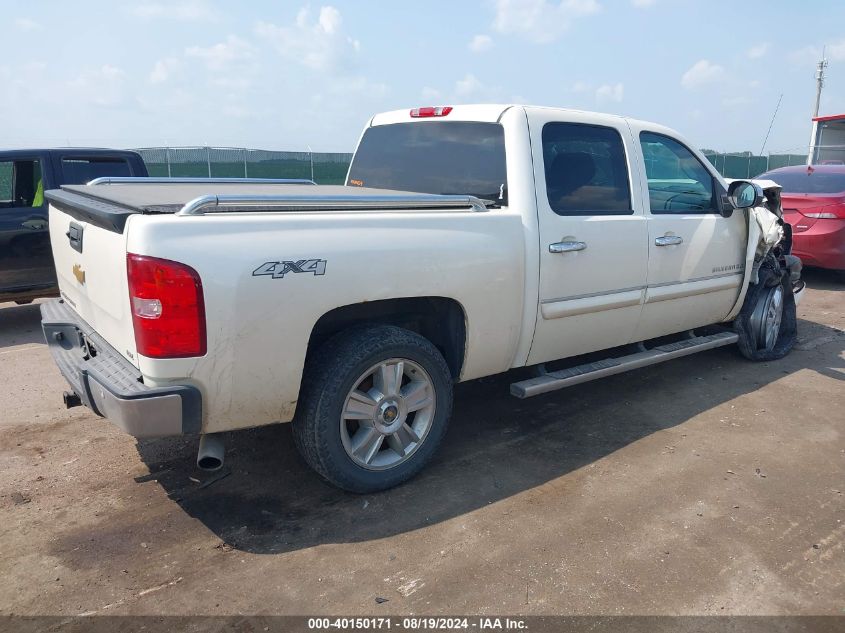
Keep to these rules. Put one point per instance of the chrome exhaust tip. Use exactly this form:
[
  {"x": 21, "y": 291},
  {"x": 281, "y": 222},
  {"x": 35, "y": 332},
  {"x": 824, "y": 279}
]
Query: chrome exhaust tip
[{"x": 211, "y": 451}]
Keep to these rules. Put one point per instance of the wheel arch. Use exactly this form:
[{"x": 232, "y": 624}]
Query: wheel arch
[{"x": 441, "y": 320}]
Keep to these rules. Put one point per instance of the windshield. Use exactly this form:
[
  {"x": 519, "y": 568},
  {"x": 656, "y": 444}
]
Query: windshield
[
  {"x": 454, "y": 157},
  {"x": 807, "y": 181}
]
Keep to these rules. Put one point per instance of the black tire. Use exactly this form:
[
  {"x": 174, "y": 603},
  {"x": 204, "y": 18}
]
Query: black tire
[
  {"x": 331, "y": 372},
  {"x": 748, "y": 343},
  {"x": 23, "y": 302}
]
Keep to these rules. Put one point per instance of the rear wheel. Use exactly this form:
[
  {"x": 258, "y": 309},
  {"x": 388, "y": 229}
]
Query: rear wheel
[
  {"x": 375, "y": 404},
  {"x": 767, "y": 323}
]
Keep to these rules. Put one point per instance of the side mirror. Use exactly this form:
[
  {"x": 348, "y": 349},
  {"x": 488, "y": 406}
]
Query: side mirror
[{"x": 744, "y": 194}]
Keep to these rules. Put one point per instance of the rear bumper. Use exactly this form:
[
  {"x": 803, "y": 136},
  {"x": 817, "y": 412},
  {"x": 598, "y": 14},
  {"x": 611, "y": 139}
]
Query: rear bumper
[
  {"x": 112, "y": 387},
  {"x": 822, "y": 245}
]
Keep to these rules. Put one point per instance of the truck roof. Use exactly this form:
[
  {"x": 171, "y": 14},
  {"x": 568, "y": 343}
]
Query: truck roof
[
  {"x": 66, "y": 151},
  {"x": 490, "y": 112}
]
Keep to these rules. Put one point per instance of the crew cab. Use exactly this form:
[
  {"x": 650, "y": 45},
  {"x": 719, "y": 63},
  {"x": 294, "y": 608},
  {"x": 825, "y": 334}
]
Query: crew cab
[
  {"x": 467, "y": 241},
  {"x": 26, "y": 264}
]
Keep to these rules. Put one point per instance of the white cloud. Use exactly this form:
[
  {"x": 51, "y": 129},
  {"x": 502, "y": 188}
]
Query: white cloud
[
  {"x": 834, "y": 51},
  {"x": 758, "y": 51},
  {"x": 702, "y": 73},
  {"x": 101, "y": 86},
  {"x": 35, "y": 66},
  {"x": 735, "y": 102},
  {"x": 186, "y": 10},
  {"x": 319, "y": 45},
  {"x": 27, "y": 24},
  {"x": 467, "y": 89},
  {"x": 468, "y": 86},
  {"x": 610, "y": 92},
  {"x": 540, "y": 20},
  {"x": 581, "y": 87},
  {"x": 480, "y": 44},
  {"x": 643, "y": 4},
  {"x": 163, "y": 70},
  {"x": 225, "y": 55},
  {"x": 430, "y": 94}
]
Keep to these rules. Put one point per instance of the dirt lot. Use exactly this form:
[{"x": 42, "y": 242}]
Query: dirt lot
[{"x": 705, "y": 485}]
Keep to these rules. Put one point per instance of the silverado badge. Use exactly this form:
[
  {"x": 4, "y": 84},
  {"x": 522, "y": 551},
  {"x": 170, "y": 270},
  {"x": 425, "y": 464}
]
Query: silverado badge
[{"x": 79, "y": 273}]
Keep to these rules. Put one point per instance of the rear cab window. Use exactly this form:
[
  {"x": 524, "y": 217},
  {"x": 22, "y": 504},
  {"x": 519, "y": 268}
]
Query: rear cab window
[
  {"x": 586, "y": 171},
  {"x": 808, "y": 181},
  {"x": 438, "y": 157},
  {"x": 78, "y": 170}
]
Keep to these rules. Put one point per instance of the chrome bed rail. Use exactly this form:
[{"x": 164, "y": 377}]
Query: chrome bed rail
[
  {"x": 246, "y": 203},
  {"x": 143, "y": 180}
]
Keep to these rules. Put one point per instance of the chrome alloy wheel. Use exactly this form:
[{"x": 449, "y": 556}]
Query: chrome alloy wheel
[
  {"x": 387, "y": 414},
  {"x": 767, "y": 317}
]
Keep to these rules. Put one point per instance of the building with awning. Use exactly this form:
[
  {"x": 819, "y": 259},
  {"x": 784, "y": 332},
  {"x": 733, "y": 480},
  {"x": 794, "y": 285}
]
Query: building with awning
[{"x": 828, "y": 136}]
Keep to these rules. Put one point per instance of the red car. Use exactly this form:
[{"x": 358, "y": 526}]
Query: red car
[{"x": 813, "y": 200}]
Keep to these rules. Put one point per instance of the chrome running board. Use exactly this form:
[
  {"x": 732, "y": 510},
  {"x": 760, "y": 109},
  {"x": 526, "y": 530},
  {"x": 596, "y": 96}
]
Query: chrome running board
[{"x": 551, "y": 381}]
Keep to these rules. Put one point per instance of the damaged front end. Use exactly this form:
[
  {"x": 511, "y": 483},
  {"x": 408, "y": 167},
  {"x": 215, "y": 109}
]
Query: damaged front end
[
  {"x": 765, "y": 315},
  {"x": 773, "y": 239}
]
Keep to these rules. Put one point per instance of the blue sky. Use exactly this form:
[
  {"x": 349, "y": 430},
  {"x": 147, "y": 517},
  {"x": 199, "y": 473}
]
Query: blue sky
[{"x": 287, "y": 75}]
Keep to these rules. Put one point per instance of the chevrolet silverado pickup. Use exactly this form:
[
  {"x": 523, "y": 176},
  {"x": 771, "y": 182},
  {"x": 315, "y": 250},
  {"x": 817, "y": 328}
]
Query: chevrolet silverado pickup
[
  {"x": 26, "y": 264},
  {"x": 467, "y": 241}
]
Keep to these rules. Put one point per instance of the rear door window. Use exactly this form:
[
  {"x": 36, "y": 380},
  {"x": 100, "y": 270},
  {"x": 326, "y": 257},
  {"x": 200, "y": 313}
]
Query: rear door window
[
  {"x": 80, "y": 170},
  {"x": 441, "y": 157},
  {"x": 586, "y": 170},
  {"x": 21, "y": 184}
]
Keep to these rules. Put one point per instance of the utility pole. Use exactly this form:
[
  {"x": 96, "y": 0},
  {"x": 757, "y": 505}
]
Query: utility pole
[
  {"x": 819, "y": 82},
  {"x": 819, "y": 85}
]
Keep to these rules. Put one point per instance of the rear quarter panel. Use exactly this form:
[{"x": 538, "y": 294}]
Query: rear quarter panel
[{"x": 258, "y": 327}]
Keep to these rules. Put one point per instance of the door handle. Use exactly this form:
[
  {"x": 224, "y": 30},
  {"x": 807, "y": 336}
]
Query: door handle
[
  {"x": 668, "y": 240},
  {"x": 567, "y": 247}
]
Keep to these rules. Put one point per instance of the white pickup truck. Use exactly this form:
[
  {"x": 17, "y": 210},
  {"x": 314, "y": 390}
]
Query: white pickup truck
[{"x": 467, "y": 241}]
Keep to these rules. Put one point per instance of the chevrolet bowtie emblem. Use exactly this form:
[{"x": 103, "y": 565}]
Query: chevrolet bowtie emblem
[{"x": 79, "y": 273}]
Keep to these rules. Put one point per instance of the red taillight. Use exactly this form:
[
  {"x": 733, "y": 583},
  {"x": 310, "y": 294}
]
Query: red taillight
[
  {"x": 824, "y": 211},
  {"x": 418, "y": 113},
  {"x": 168, "y": 312}
]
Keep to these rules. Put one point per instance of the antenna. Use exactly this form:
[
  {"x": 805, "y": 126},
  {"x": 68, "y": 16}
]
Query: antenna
[{"x": 766, "y": 140}]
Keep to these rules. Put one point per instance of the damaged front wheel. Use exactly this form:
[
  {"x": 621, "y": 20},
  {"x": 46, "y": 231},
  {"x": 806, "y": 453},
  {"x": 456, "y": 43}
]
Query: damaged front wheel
[{"x": 767, "y": 323}]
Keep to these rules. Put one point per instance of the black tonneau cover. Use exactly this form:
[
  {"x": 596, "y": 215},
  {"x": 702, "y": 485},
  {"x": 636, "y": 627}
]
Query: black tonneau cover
[{"x": 109, "y": 205}]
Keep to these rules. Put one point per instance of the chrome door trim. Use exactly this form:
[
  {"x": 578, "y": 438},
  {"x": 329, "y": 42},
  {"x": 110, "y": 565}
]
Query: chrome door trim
[
  {"x": 594, "y": 302},
  {"x": 693, "y": 287}
]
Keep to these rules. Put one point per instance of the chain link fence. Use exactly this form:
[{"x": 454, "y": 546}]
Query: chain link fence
[
  {"x": 330, "y": 168},
  {"x": 743, "y": 165},
  {"x": 238, "y": 162}
]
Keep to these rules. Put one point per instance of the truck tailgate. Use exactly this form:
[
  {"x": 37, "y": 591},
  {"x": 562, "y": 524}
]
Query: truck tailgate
[{"x": 91, "y": 269}]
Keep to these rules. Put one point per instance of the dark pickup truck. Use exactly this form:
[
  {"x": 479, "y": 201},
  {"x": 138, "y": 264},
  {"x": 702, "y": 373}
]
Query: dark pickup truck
[{"x": 26, "y": 262}]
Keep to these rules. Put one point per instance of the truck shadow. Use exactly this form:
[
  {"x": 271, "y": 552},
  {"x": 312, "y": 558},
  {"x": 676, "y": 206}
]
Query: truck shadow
[
  {"x": 267, "y": 501},
  {"x": 20, "y": 325},
  {"x": 821, "y": 279}
]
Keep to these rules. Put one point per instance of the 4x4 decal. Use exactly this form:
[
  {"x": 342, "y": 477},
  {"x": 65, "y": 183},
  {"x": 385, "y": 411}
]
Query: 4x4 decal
[{"x": 277, "y": 270}]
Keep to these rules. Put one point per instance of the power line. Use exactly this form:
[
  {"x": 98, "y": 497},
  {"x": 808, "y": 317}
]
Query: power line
[{"x": 766, "y": 140}]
